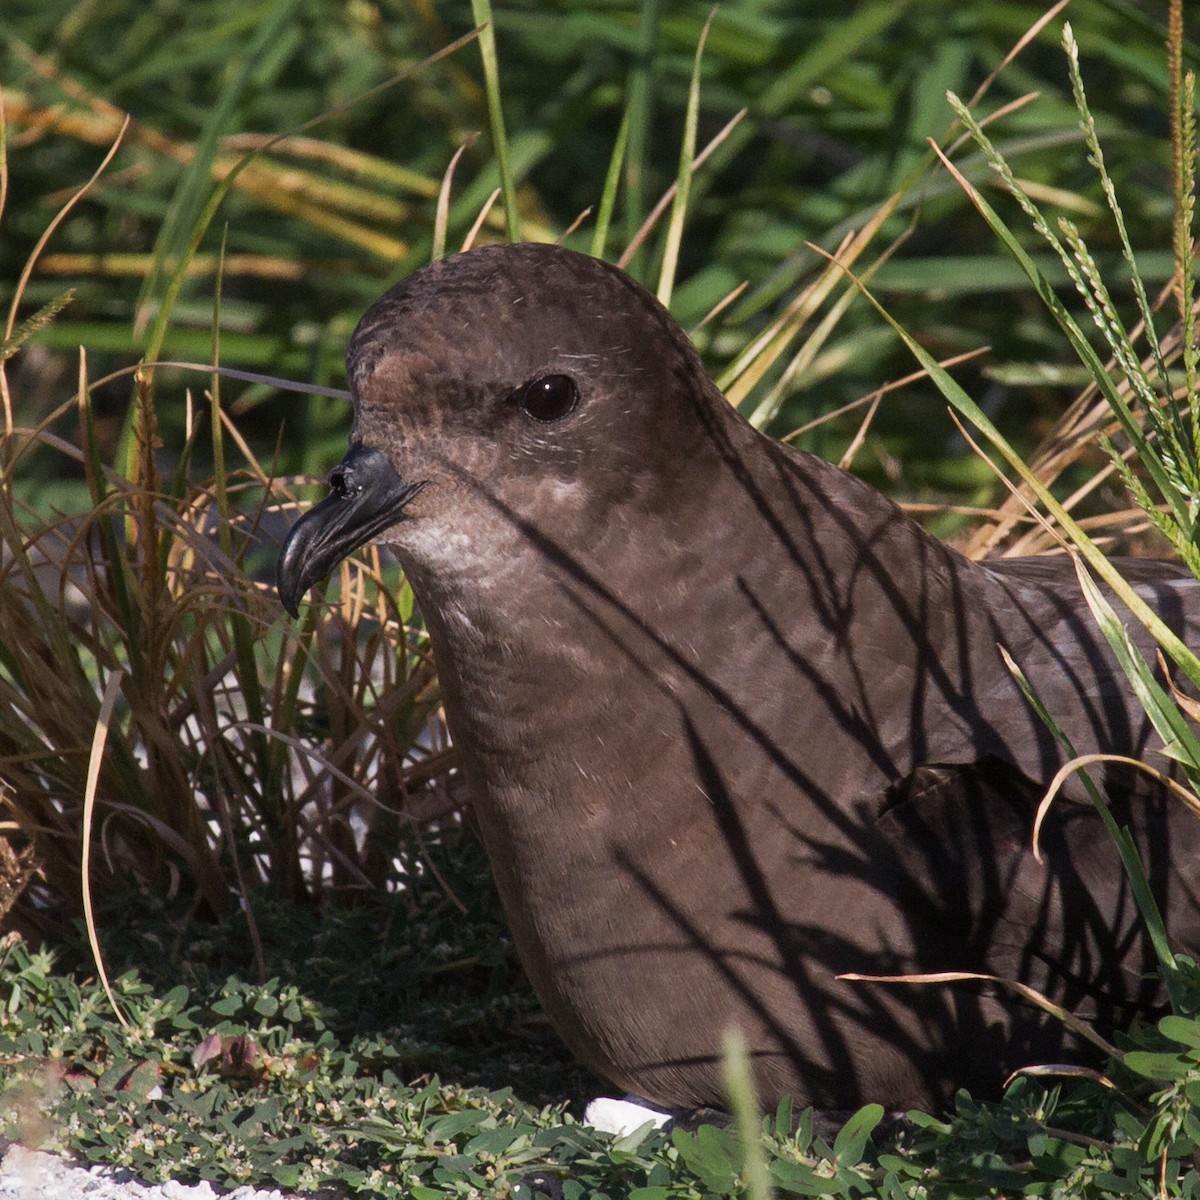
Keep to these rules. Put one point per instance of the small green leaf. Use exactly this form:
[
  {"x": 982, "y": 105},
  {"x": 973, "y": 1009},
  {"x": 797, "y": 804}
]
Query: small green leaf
[
  {"x": 1152, "y": 1065},
  {"x": 633, "y": 1140},
  {"x": 852, "y": 1137},
  {"x": 450, "y": 1126},
  {"x": 783, "y": 1118},
  {"x": 802, "y": 1180},
  {"x": 706, "y": 1154},
  {"x": 1181, "y": 1029}
]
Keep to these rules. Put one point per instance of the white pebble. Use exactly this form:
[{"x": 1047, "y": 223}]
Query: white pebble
[{"x": 622, "y": 1116}]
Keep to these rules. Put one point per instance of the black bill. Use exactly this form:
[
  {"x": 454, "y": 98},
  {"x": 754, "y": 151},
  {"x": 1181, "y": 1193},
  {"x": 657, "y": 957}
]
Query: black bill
[{"x": 368, "y": 497}]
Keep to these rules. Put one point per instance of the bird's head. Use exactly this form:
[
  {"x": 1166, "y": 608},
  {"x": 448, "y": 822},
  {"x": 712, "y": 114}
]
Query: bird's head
[{"x": 506, "y": 391}]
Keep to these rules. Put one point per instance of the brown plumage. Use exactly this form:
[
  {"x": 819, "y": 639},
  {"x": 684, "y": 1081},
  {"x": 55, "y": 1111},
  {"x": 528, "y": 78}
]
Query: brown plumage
[{"x": 731, "y": 723}]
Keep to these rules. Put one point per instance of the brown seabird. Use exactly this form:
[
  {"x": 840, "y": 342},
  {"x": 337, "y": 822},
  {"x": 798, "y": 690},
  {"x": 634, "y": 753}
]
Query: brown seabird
[{"x": 732, "y": 724}]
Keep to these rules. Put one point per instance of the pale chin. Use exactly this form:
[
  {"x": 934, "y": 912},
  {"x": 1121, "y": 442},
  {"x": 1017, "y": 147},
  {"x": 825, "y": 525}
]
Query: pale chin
[{"x": 490, "y": 553}]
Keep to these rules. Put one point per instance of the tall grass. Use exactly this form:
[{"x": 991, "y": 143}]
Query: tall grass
[{"x": 240, "y": 750}]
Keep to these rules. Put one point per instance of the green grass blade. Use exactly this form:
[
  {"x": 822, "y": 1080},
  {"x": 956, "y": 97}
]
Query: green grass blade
[
  {"x": 640, "y": 106},
  {"x": 1179, "y": 740},
  {"x": 1083, "y": 348},
  {"x": 481, "y": 11},
  {"x": 844, "y": 40},
  {"x": 683, "y": 178},
  {"x": 158, "y": 333},
  {"x": 743, "y": 1105},
  {"x": 1096, "y": 158},
  {"x": 188, "y": 201},
  {"x": 612, "y": 182},
  {"x": 847, "y": 37},
  {"x": 1122, "y": 839},
  {"x": 1080, "y": 344},
  {"x": 1167, "y": 438}
]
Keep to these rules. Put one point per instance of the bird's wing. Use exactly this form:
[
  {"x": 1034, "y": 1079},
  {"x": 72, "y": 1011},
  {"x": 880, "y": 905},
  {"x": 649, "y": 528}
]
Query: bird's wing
[
  {"x": 959, "y": 839},
  {"x": 959, "y": 836},
  {"x": 1039, "y": 615}
]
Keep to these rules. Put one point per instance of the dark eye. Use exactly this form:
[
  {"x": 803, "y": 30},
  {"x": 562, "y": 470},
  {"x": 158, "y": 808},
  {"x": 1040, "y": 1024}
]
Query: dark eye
[{"x": 549, "y": 398}]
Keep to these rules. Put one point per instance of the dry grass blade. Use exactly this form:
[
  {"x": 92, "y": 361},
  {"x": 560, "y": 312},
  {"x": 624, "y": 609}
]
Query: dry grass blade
[
  {"x": 1019, "y": 45},
  {"x": 349, "y": 161},
  {"x": 668, "y": 196},
  {"x": 1030, "y": 509},
  {"x": 1086, "y": 760},
  {"x": 1188, "y": 704},
  {"x": 860, "y": 434},
  {"x": 133, "y": 265},
  {"x": 3, "y": 156},
  {"x": 319, "y": 756},
  {"x": 574, "y": 225},
  {"x": 31, "y": 262},
  {"x": 442, "y": 213},
  {"x": 112, "y": 690},
  {"x": 754, "y": 362},
  {"x": 1087, "y": 549},
  {"x": 473, "y": 232},
  {"x": 311, "y": 197},
  {"x": 1065, "y": 1071},
  {"x": 5, "y": 396},
  {"x": 1120, "y": 396},
  {"x": 48, "y": 233},
  {"x": 757, "y": 359},
  {"x": 720, "y": 306},
  {"x": 904, "y": 381},
  {"x": 1075, "y": 1024},
  {"x": 183, "y": 779},
  {"x": 793, "y": 375},
  {"x": 275, "y": 381},
  {"x": 1042, "y": 535}
]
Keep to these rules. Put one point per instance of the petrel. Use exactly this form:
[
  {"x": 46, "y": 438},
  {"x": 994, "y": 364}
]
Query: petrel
[{"x": 732, "y": 725}]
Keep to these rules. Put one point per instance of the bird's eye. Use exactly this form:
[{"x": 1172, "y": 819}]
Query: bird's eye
[{"x": 548, "y": 398}]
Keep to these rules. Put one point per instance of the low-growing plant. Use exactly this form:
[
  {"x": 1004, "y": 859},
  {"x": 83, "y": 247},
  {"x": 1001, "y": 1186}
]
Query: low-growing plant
[{"x": 261, "y": 1083}]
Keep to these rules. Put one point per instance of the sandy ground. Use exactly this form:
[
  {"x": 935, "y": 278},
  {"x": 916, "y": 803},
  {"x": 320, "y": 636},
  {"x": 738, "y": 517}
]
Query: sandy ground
[{"x": 31, "y": 1175}]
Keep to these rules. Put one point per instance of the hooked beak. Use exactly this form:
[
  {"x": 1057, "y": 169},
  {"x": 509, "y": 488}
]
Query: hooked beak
[{"x": 368, "y": 497}]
